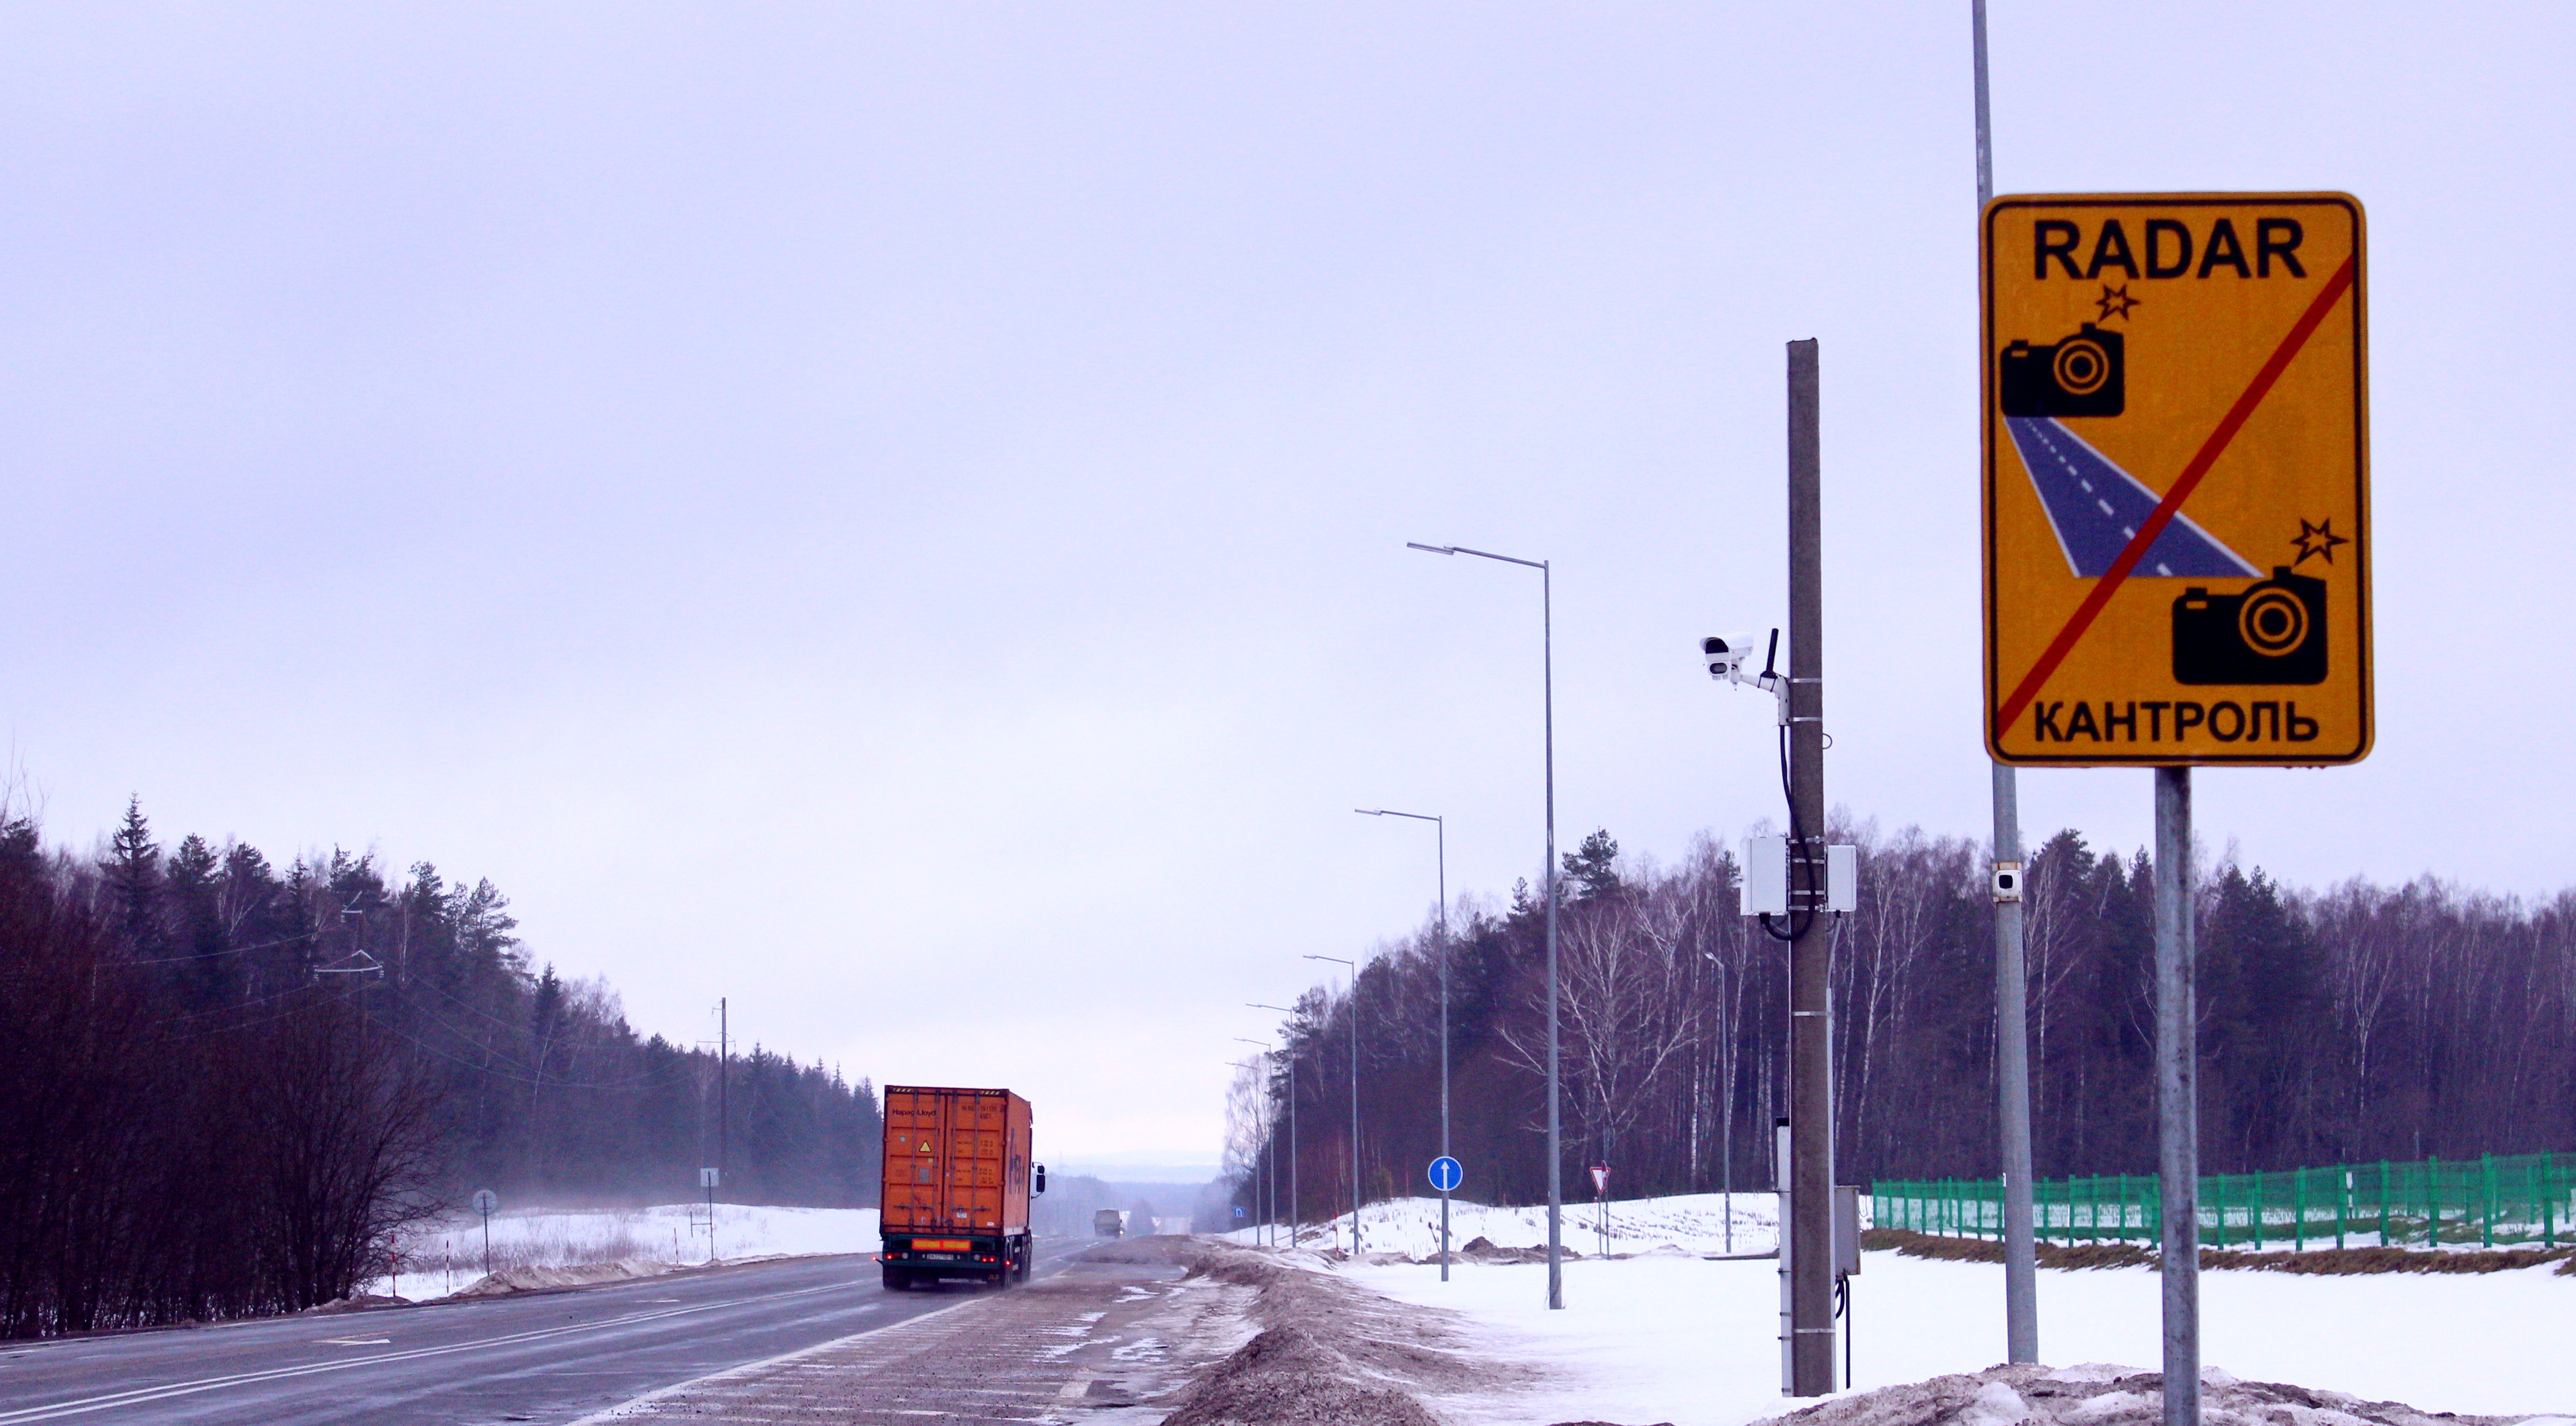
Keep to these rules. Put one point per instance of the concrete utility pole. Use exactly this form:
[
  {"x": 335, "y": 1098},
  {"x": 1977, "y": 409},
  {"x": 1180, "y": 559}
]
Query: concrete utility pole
[
  {"x": 2177, "y": 1097},
  {"x": 1811, "y": 1082},
  {"x": 2012, "y": 982}
]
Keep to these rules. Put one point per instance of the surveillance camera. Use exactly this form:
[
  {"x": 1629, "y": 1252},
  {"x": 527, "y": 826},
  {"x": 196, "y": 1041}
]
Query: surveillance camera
[{"x": 1725, "y": 654}]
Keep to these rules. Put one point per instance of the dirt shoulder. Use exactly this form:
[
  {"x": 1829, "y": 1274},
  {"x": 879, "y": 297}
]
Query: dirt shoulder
[{"x": 1184, "y": 1331}]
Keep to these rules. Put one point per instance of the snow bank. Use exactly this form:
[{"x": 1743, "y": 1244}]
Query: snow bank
[
  {"x": 535, "y": 1279},
  {"x": 1692, "y": 1223},
  {"x": 445, "y": 1256},
  {"x": 2102, "y": 1395},
  {"x": 1693, "y": 1342}
]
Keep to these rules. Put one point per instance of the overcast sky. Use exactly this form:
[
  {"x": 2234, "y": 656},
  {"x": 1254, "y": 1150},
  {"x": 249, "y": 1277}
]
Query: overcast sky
[{"x": 896, "y": 515}]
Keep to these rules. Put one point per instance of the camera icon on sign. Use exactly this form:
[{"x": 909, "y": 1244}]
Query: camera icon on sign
[
  {"x": 2082, "y": 375},
  {"x": 2272, "y": 632}
]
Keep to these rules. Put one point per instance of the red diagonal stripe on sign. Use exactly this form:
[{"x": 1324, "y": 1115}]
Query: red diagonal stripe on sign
[{"x": 2155, "y": 523}]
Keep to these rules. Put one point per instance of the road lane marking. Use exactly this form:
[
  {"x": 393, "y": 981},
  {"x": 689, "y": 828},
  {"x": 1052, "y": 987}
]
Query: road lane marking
[
  {"x": 140, "y": 1395},
  {"x": 621, "y": 1410}
]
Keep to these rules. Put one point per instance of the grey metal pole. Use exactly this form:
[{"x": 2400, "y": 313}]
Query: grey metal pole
[
  {"x": 724, "y": 1062},
  {"x": 1440, "y": 832},
  {"x": 1255, "y": 1181},
  {"x": 1354, "y": 969},
  {"x": 2012, "y": 982},
  {"x": 1726, "y": 1112},
  {"x": 1555, "y": 1132},
  {"x": 1811, "y": 1190},
  {"x": 2177, "y": 1098},
  {"x": 1292, "y": 1126},
  {"x": 1555, "y": 1135},
  {"x": 1270, "y": 1156}
]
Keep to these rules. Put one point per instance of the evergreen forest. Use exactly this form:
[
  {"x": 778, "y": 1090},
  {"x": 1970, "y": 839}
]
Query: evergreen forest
[
  {"x": 2349, "y": 1023},
  {"x": 227, "y": 1086}
]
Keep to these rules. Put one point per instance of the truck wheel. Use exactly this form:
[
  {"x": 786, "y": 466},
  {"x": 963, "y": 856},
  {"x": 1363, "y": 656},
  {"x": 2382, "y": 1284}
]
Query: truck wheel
[{"x": 898, "y": 1280}]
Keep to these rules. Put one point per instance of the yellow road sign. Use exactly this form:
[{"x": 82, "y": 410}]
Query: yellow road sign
[{"x": 2177, "y": 479}]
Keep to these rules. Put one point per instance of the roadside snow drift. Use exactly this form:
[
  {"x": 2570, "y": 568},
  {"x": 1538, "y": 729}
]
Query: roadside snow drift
[{"x": 2099, "y": 1395}]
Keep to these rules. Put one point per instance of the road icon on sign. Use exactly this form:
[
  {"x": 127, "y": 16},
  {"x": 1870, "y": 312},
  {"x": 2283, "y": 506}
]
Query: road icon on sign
[
  {"x": 2172, "y": 384},
  {"x": 1447, "y": 1173},
  {"x": 486, "y": 1202}
]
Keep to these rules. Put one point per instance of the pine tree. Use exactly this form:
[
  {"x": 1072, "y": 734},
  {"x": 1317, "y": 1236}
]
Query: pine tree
[
  {"x": 195, "y": 886},
  {"x": 133, "y": 871},
  {"x": 1594, "y": 867}
]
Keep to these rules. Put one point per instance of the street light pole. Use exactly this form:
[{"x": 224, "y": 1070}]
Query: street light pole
[
  {"x": 2012, "y": 984},
  {"x": 1440, "y": 833},
  {"x": 1726, "y": 1107},
  {"x": 1293, "y": 1208},
  {"x": 1271, "y": 1220},
  {"x": 1355, "y": 1097},
  {"x": 1547, "y": 687}
]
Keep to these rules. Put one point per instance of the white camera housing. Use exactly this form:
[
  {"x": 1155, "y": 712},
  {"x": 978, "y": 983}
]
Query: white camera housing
[{"x": 1725, "y": 655}]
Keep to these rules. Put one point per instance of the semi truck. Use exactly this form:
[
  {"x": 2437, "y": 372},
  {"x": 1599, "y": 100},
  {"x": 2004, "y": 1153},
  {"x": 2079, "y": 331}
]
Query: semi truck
[{"x": 958, "y": 1180}]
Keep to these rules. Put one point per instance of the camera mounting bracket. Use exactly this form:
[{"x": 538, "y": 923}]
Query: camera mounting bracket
[{"x": 1770, "y": 679}]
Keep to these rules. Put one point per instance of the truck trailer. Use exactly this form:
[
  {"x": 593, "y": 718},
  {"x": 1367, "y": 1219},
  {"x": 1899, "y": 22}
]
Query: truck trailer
[{"x": 958, "y": 1180}]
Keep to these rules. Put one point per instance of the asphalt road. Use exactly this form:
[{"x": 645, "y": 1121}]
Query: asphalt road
[
  {"x": 539, "y": 1357},
  {"x": 2096, "y": 508}
]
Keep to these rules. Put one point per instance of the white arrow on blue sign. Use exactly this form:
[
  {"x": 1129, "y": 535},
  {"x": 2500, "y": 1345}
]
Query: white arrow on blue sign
[{"x": 1447, "y": 1174}]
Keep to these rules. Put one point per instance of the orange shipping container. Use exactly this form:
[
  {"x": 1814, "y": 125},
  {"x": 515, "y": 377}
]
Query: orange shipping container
[{"x": 956, "y": 1160}]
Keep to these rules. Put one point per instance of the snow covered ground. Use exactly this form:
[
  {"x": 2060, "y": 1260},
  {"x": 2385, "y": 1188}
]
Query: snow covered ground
[
  {"x": 1681, "y": 1339},
  {"x": 1696, "y": 1222},
  {"x": 449, "y": 1255}
]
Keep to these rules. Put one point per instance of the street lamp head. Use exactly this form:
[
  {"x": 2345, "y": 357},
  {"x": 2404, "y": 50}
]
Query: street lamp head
[{"x": 1432, "y": 549}]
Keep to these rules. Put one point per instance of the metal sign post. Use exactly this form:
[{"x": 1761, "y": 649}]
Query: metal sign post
[
  {"x": 1446, "y": 1175},
  {"x": 485, "y": 1203},
  {"x": 2177, "y": 1095},
  {"x": 708, "y": 1178},
  {"x": 2012, "y": 980}
]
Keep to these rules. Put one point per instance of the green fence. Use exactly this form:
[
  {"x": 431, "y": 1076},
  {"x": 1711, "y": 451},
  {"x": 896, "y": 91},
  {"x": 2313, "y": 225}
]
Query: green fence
[{"x": 2497, "y": 1200}]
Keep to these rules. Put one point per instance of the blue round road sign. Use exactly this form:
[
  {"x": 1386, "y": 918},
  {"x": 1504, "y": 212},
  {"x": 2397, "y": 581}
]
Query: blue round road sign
[{"x": 1446, "y": 1174}]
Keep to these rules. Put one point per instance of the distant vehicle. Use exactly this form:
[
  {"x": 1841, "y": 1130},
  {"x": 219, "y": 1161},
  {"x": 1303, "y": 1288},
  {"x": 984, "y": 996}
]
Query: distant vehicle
[
  {"x": 958, "y": 1180},
  {"x": 1106, "y": 1222}
]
